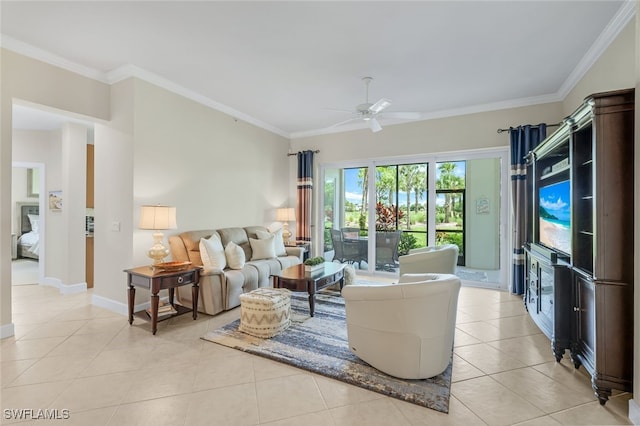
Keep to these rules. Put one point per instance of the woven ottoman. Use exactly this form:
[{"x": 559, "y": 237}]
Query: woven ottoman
[{"x": 265, "y": 312}]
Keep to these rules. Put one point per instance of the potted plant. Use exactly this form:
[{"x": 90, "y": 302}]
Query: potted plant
[{"x": 314, "y": 264}]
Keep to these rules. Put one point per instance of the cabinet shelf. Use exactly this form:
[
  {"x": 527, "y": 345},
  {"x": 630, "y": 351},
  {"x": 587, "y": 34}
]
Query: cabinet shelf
[{"x": 555, "y": 172}]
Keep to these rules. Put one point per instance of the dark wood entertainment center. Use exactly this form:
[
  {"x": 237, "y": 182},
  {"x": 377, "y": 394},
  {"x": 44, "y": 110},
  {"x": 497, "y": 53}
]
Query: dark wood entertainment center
[{"x": 579, "y": 271}]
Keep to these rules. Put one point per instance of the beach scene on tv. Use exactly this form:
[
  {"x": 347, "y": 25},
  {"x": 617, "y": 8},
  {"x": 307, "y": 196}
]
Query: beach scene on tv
[{"x": 555, "y": 216}]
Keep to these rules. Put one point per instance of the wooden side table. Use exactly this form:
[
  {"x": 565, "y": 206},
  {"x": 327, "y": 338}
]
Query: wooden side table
[{"x": 153, "y": 280}]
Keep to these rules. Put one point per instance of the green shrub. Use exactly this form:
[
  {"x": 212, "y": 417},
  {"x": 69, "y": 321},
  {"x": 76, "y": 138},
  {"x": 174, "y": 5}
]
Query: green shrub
[{"x": 407, "y": 242}]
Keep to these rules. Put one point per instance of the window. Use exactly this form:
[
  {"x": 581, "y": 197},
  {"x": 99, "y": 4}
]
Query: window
[{"x": 450, "y": 205}]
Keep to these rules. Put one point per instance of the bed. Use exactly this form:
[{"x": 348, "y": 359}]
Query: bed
[{"x": 29, "y": 239}]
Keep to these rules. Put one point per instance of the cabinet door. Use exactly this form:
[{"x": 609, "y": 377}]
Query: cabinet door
[
  {"x": 585, "y": 318},
  {"x": 546, "y": 294},
  {"x": 531, "y": 296}
]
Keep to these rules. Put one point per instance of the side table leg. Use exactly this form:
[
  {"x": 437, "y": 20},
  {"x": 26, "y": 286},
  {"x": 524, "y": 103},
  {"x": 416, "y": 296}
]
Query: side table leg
[
  {"x": 194, "y": 299},
  {"x": 172, "y": 292},
  {"x": 132, "y": 298},
  {"x": 154, "y": 312}
]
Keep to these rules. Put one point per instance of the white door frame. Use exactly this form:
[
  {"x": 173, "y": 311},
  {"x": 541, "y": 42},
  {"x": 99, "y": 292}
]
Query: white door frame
[{"x": 501, "y": 153}]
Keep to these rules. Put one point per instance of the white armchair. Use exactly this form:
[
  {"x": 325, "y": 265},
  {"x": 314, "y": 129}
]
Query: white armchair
[
  {"x": 433, "y": 259},
  {"x": 405, "y": 330}
]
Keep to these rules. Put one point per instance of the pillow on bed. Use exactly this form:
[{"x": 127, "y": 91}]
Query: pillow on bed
[
  {"x": 212, "y": 252},
  {"x": 34, "y": 219}
]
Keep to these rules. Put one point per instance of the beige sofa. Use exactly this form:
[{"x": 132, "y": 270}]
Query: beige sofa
[{"x": 220, "y": 290}]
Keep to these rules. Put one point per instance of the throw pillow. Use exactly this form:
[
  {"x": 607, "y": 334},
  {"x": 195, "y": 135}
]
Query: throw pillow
[
  {"x": 278, "y": 242},
  {"x": 262, "y": 248},
  {"x": 212, "y": 252},
  {"x": 235, "y": 256}
]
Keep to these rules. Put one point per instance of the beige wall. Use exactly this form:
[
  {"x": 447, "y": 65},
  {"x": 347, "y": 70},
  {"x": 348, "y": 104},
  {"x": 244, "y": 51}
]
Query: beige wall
[
  {"x": 158, "y": 147},
  {"x": 29, "y": 80},
  {"x": 216, "y": 170}
]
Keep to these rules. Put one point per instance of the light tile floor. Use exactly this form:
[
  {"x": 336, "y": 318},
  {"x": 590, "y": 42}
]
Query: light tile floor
[{"x": 69, "y": 354}]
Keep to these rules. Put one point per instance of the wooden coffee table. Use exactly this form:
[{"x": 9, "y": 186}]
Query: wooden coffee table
[{"x": 295, "y": 278}]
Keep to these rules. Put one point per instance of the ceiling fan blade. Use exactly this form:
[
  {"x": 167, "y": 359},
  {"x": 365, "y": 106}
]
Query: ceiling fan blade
[
  {"x": 374, "y": 125},
  {"x": 402, "y": 115},
  {"x": 380, "y": 105}
]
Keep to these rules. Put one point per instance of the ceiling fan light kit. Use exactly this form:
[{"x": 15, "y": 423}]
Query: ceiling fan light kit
[{"x": 368, "y": 111}]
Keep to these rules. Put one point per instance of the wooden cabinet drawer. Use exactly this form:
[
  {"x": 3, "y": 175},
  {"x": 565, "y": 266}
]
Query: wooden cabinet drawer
[{"x": 177, "y": 280}]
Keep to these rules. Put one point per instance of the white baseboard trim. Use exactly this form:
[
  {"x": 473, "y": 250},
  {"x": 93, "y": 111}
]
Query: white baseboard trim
[
  {"x": 65, "y": 288},
  {"x": 634, "y": 412},
  {"x": 119, "y": 307},
  {"x": 73, "y": 288},
  {"x": 52, "y": 282},
  {"x": 7, "y": 330},
  {"x": 110, "y": 304}
]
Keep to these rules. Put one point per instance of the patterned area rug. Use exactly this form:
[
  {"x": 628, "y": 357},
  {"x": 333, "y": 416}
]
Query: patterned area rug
[{"x": 319, "y": 344}]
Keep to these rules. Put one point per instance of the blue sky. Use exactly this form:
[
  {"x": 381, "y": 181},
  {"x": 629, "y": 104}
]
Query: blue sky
[
  {"x": 555, "y": 199},
  {"x": 353, "y": 188}
]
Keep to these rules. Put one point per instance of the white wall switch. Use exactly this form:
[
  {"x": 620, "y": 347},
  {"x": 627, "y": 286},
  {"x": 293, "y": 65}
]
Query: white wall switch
[{"x": 115, "y": 226}]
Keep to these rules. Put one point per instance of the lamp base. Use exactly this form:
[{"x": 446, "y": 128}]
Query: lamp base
[
  {"x": 158, "y": 252},
  {"x": 286, "y": 234}
]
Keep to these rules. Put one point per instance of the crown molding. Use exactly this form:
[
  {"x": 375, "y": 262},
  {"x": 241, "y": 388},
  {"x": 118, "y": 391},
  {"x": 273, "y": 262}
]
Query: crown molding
[
  {"x": 130, "y": 70},
  {"x": 39, "y": 54},
  {"x": 127, "y": 71},
  {"x": 624, "y": 15}
]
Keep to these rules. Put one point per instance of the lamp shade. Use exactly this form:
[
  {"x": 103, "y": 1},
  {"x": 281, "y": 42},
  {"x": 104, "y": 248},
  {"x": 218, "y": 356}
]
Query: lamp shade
[
  {"x": 157, "y": 217},
  {"x": 287, "y": 214}
]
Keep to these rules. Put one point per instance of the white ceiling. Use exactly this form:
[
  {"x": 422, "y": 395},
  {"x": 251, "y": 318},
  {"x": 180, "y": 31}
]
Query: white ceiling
[{"x": 285, "y": 65}]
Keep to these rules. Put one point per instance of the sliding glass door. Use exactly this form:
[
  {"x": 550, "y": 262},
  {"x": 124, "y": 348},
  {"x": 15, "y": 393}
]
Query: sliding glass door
[{"x": 377, "y": 211}]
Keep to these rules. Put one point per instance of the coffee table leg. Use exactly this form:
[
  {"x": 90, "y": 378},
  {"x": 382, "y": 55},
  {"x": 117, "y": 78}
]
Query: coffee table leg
[{"x": 312, "y": 302}]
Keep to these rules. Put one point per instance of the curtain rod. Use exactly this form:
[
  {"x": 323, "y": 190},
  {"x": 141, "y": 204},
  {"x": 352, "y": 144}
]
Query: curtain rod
[
  {"x": 548, "y": 125},
  {"x": 299, "y": 152}
]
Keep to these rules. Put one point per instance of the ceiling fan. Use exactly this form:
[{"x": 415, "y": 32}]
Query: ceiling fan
[{"x": 368, "y": 111}]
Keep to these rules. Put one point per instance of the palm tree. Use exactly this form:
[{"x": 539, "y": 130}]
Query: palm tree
[{"x": 448, "y": 180}]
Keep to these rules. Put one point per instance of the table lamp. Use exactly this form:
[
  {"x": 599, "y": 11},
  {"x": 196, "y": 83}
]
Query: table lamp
[
  {"x": 157, "y": 218},
  {"x": 285, "y": 215}
]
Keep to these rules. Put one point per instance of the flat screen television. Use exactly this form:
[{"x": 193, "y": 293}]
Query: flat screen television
[{"x": 555, "y": 216}]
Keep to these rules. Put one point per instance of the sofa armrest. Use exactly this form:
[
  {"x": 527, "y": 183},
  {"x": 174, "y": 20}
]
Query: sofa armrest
[{"x": 295, "y": 251}]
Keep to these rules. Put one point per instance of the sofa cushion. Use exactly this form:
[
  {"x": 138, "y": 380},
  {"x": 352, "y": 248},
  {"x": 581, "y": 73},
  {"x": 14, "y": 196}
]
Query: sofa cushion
[
  {"x": 235, "y": 256},
  {"x": 238, "y": 236},
  {"x": 262, "y": 248},
  {"x": 212, "y": 253},
  {"x": 278, "y": 242}
]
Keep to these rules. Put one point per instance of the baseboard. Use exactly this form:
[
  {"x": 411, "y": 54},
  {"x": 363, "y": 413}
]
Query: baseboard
[
  {"x": 110, "y": 304},
  {"x": 119, "y": 307},
  {"x": 73, "y": 288},
  {"x": 52, "y": 282},
  {"x": 7, "y": 330},
  {"x": 634, "y": 412},
  {"x": 65, "y": 288}
]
